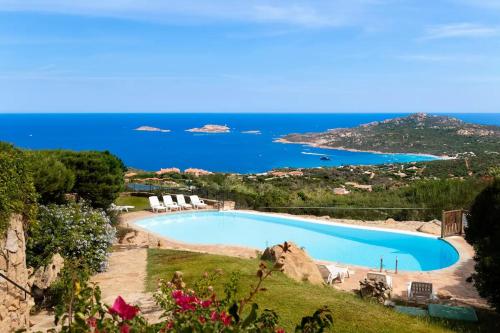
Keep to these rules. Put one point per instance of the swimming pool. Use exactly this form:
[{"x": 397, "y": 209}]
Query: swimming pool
[{"x": 322, "y": 240}]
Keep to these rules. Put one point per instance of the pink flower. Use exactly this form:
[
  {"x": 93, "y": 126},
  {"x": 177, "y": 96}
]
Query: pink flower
[
  {"x": 92, "y": 322},
  {"x": 124, "y": 310},
  {"x": 225, "y": 318},
  {"x": 202, "y": 319},
  {"x": 177, "y": 293},
  {"x": 280, "y": 330},
  {"x": 214, "y": 316},
  {"x": 206, "y": 304},
  {"x": 124, "y": 328}
]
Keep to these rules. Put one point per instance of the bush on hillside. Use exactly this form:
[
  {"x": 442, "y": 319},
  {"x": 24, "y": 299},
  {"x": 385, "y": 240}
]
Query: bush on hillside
[
  {"x": 76, "y": 231},
  {"x": 17, "y": 193},
  {"x": 483, "y": 232},
  {"x": 51, "y": 177}
]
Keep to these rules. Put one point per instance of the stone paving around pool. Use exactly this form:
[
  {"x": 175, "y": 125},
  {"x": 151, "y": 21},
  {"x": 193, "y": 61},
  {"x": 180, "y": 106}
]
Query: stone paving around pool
[{"x": 449, "y": 281}]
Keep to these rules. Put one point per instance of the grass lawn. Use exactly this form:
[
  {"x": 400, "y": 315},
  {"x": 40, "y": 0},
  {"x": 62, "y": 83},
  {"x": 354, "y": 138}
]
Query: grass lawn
[
  {"x": 140, "y": 203},
  {"x": 293, "y": 300}
]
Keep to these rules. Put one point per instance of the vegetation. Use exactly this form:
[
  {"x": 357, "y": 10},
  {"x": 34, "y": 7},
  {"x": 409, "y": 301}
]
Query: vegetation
[
  {"x": 98, "y": 175},
  {"x": 416, "y": 133},
  {"x": 483, "y": 232},
  {"x": 17, "y": 193},
  {"x": 292, "y": 300},
  {"x": 51, "y": 177},
  {"x": 75, "y": 231},
  {"x": 140, "y": 203},
  {"x": 200, "y": 309},
  {"x": 391, "y": 196}
]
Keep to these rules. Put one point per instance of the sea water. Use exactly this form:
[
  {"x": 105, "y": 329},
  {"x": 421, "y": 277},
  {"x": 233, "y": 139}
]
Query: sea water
[{"x": 225, "y": 152}]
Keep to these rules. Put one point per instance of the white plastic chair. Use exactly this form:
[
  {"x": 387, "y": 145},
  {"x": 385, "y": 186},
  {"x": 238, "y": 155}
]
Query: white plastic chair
[
  {"x": 197, "y": 202},
  {"x": 182, "y": 202},
  {"x": 155, "y": 204},
  {"x": 169, "y": 203}
]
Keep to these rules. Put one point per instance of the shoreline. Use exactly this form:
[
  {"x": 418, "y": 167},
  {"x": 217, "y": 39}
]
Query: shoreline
[{"x": 315, "y": 145}]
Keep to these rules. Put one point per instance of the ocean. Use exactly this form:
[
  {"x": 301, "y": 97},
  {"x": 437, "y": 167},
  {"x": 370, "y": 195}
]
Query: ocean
[{"x": 222, "y": 152}]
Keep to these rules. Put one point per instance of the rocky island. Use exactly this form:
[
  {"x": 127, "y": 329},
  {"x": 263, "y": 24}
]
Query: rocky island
[
  {"x": 418, "y": 133},
  {"x": 151, "y": 129},
  {"x": 210, "y": 129}
]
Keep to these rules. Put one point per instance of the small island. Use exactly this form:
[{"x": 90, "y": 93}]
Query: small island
[
  {"x": 151, "y": 129},
  {"x": 252, "y": 132},
  {"x": 210, "y": 129}
]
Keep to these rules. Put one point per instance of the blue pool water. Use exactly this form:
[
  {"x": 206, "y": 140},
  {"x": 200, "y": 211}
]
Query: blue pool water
[
  {"x": 323, "y": 241},
  {"x": 228, "y": 152}
]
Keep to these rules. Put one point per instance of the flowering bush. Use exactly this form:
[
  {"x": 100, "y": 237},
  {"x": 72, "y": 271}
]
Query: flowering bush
[
  {"x": 76, "y": 231},
  {"x": 185, "y": 310}
]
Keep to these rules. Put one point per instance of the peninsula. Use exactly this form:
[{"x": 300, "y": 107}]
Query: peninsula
[
  {"x": 151, "y": 129},
  {"x": 418, "y": 133},
  {"x": 210, "y": 129}
]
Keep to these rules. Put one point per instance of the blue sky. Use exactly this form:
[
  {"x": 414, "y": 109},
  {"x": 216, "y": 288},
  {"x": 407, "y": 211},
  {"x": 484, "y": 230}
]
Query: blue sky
[{"x": 250, "y": 56}]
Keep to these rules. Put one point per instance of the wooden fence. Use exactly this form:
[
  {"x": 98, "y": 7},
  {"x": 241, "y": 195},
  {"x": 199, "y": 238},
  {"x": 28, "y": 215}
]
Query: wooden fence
[{"x": 453, "y": 223}]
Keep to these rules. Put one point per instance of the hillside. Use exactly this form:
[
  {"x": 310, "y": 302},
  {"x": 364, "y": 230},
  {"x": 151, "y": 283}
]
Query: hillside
[{"x": 417, "y": 133}]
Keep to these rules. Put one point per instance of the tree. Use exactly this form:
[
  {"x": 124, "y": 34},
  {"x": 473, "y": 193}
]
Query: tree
[
  {"x": 98, "y": 175},
  {"x": 17, "y": 193},
  {"x": 52, "y": 178},
  {"x": 483, "y": 232}
]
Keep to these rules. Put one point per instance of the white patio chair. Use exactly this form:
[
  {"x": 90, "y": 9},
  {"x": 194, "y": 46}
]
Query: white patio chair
[
  {"x": 197, "y": 202},
  {"x": 155, "y": 204},
  {"x": 169, "y": 203},
  {"x": 336, "y": 273},
  {"x": 182, "y": 202}
]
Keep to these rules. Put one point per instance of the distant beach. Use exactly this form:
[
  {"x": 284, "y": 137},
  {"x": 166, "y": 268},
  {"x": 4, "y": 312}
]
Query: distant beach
[{"x": 442, "y": 157}]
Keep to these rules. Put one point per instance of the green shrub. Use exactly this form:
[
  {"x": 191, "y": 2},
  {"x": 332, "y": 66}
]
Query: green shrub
[
  {"x": 483, "y": 232},
  {"x": 76, "y": 231},
  {"x": 52, "y": 178},
  {"x": 17, "y": 193}
]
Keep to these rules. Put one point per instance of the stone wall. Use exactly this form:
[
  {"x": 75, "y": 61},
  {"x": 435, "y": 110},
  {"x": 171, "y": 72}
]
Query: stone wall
[{"x": 14, "y": 308}]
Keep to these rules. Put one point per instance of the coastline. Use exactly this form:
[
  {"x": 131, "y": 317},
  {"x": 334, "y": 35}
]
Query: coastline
[{"x": 315, "y": 145}]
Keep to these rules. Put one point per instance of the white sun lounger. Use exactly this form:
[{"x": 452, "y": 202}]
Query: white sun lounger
[
  {"x": 336, "y": 273},
  {"x": 169, "y": 203},
  {"x": 182, "y": 202},
  {"x": 120, "y": 208},
  {"x": 380, "y": 277},
  {"x": 155, "y": 204},
  {"x": 197, "y": 202}
]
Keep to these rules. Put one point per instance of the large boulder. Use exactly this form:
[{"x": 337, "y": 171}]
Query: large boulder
[
  {"x": 432, "y": 227},
  {"x": 46, "y": 275},
  {"x": 296, "y": 263}
]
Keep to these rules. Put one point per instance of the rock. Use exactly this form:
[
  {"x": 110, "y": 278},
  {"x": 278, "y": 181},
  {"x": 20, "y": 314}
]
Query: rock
[
  {"x": 326, "y": 217},
  {"x": 390, "y": 221},
  {"x": 389, "y": 303},
  {"x": 432, "y": 227},
  {"x": 46, "y": 275},
  {"x": 3, "y": 263},
  {"x": 444, "y": 294},
  {"x": 11, "y": 243},
  {"x": 296, "y": 263},
  {"x": 374, "y": 289},
  {"x": 129, "y": 238}
]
